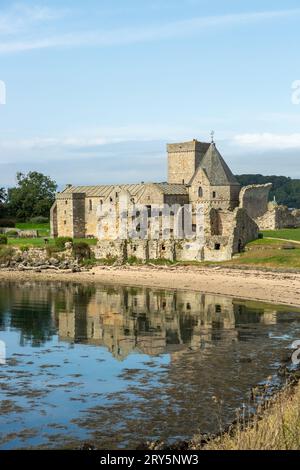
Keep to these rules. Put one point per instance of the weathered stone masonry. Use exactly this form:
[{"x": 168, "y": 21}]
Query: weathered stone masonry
[{"x": 197, "y": 174}]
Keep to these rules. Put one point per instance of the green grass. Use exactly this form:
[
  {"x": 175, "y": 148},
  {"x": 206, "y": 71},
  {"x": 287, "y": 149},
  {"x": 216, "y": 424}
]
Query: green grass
[
  {"x": 39, "y": 242},
  {"x": 44, "y": 229},
  {"x": 286, "y": 233},
  {"x": 264, "y": 242},
  {"x": 268, "y": 254}
]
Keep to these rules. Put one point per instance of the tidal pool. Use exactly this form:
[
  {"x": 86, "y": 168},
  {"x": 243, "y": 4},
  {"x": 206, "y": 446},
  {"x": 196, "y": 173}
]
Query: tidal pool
[{"x": 119, "y": 365}]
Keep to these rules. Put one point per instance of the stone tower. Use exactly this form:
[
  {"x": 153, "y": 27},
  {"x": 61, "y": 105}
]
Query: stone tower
[{"x": 184, "y": 159}]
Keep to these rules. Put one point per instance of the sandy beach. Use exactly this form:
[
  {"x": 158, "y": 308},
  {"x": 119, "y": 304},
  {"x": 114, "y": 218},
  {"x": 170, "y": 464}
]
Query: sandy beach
[{"x": 267, "y": 286}]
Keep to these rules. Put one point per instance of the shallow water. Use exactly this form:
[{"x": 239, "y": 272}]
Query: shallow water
[{"x": 115, "y": 366}]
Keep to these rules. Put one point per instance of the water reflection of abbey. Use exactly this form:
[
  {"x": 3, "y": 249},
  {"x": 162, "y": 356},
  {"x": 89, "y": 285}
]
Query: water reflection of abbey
[{"x": 153, "y": 322}]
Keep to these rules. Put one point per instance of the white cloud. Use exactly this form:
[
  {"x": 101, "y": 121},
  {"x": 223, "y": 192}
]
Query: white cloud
[
  {"x": 19, "y": 18},
  {"x": 135, "y": 35},
  {"x": 268, "y": 141}
]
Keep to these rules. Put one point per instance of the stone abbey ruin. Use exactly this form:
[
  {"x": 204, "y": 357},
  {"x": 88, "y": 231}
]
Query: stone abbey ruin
[{"x": 198, "y": 176}]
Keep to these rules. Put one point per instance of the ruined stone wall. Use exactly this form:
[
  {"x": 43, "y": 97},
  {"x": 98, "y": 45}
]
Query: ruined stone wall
[
  {"x": 245, "y": 230},
  {"x": 218, "y": 248},
  {"x": 236, "y": 229},
  {"x": 254, "y": 199},
  {"x": 296, "y": 215},
  {"x": 189, "y": 250},
  {"x": 278, "y": 217},
  {"x": 107, "y": 249},
  {"x": 183, "y": 159}
]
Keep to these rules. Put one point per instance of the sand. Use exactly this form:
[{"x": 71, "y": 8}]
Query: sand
[{"x": 253, "y": 284}]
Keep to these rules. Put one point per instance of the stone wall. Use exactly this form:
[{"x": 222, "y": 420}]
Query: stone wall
[
  {"x": 254, "y": 199},
  {"x": 278, "y": 217}
]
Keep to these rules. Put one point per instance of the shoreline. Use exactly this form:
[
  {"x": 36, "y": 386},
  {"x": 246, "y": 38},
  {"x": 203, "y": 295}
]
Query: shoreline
[{"x": 282, "y": 288}]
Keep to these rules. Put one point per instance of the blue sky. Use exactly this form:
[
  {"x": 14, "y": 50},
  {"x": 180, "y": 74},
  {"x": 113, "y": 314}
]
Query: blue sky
[{"x": 95, "y": 89}]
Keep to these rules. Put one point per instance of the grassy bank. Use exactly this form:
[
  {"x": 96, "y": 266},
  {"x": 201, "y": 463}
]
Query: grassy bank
[
  {"x": 285, "y": 233},
  {"x": 269, "y": 253},
  {"x": 278, "y": 249},
  {"x": 276, "y": 428},
  {"x": 40, "y": 242},
  {"x": 43, "y": 229}
]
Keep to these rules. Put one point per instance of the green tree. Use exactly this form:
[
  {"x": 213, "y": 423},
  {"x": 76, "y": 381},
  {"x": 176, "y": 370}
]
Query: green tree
[
  {"x": 33, "y": 196},
  {"x": 3, "y": 196}
]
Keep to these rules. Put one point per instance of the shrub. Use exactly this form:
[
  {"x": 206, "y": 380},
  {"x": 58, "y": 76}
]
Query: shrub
[
  {"x": 3, "y": 240},
  {"x": 260, "y": 235},
  {"x": 39, "y": 220},
  {"x": 24, "y": 248},
  {"x": 6, "y": 254},
  {"x": 61, "y": 241},
  {"x": 51, "y": 250},
  {"x": 7, "y": 223},
  {"x": 81, "y": 251},
  {"x": 12, "y": 234}
]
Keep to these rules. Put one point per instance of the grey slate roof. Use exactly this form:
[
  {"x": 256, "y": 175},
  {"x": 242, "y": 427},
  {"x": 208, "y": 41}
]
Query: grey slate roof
[
  {"x": 172, "y": 189},
  {"x": 102, "y": 190},
  {"x": 133, "y": 189},
  {"x": 218, "y": 173}
]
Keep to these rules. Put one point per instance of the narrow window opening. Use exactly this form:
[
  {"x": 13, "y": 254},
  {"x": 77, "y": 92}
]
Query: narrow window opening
[{"x": 217, "y": 246}]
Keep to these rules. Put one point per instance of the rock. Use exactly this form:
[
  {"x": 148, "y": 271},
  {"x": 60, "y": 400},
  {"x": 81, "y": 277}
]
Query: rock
[
  {"x": 75, "y": 269},
  {"x": 68, "y": 245}
]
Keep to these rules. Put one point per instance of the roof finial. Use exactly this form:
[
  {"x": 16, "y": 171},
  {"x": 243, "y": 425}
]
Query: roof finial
[{"x": 212, "y": 134}]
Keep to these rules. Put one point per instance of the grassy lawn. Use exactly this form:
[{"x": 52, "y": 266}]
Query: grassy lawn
[
  {"x": 44, "y": 229},
  {"x": 39, "y": 242},
  {"x": 268, "y": 253},
  {"x": 286, "y": 233}
]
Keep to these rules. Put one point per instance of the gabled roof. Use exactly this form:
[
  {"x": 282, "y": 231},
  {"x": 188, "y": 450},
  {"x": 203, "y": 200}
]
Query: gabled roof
[
  {"x": 132, "y": 189},
  {"x": 172, "y": 188},
  {"x": 103, "y": 190},
  {"x": 216, "y": 169}
]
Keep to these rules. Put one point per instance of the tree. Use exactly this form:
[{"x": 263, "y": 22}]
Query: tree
[
  {"x": 33, "y": 196},
  {"x": 3, "y": 196}
]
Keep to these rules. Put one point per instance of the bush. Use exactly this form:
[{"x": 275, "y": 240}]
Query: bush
[
  {"x": 6, "y": 254},
  {"x": 260, "y": 235},
  {"x": 7, "y": 223},
  {"x": 61, "y": 241},
  {"x": 3, "y": 240},
  {"x": 24, "y": 248},
  {"x": 51, "y": 250},
  {"x": 81, "y": 251},
  {"x": 39, "y": 220},
  {"x": 12, "y": 234}
]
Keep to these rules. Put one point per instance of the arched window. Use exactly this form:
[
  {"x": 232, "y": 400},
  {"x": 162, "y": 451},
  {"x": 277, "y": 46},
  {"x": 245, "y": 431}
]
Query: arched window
[
  {"x": 200, "y": 192},
  {"x": 214, "y": 194}
]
